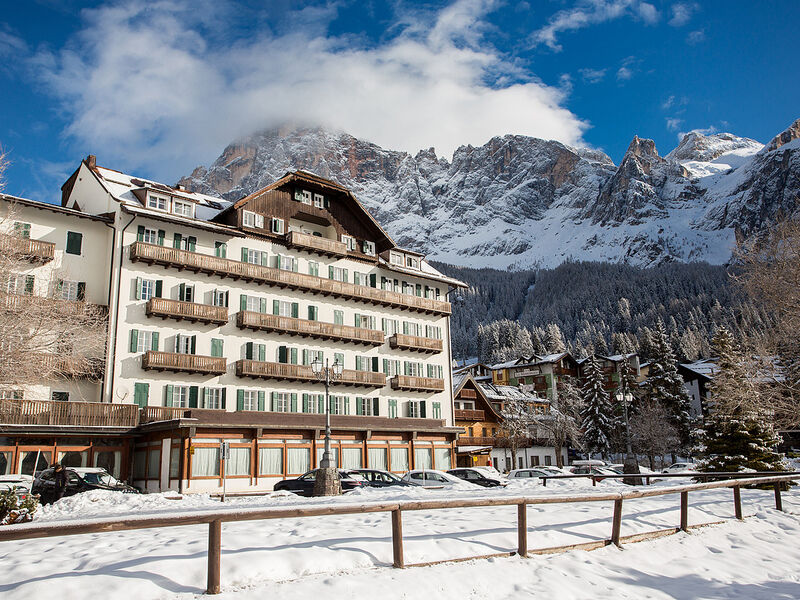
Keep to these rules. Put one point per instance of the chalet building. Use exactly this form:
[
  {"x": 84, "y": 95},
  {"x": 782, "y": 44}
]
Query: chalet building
[
  {"x": 537, "y": 374},
  {"x": 478, "y": 371},
  {"x": 610, "y": 367},
  {"x": 478, "y": 411},
  {"x": 216, "y": 311}
]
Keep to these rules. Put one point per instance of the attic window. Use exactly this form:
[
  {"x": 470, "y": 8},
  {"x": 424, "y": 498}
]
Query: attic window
[
  {"x": 350, "y": 241},
  {"x": 319, "y": 201},
  {"x": 396, "y": 258},
  {"x": 303, "y": 196},
  {"x": 157, "y": 202},
  {"x": 412, "y": 262},
  {"x": 184, "y": 209},
  {"x": 369, "y": 248},
  {"x": 251, "y": 219}
]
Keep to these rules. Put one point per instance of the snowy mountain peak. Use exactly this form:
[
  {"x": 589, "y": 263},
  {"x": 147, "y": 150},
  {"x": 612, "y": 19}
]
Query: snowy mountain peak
[
  {"x": 705, "y": 148},
  {"x": 642, "y": 148},
  {"x": 791, "y": 133}
]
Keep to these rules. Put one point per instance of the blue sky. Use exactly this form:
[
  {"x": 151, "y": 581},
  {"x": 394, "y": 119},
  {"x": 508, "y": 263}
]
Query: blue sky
[{"x": 156, "y": 88}]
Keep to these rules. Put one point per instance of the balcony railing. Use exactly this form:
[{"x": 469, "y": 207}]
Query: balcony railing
[
  {"x": 316, "y": 244},
  {"x": 315, "y": 329},
  {"x": 467, "y": 394},
  {"x": 190, "y": 311},
  {"x": 202, "y": 263},
  {"x": 149, "y": 414},
  {"x": 415, "y": 342},
  {"x": 272, "y": 370},
  {"x": 73, "y": 414},
  {"x": 32, "y": 250},
  {"x": 464, "y": 440},
  {"x": 186, "y": 363},
  {"x": 461, "y": 414},
  {"x": 417, "y": 384}
]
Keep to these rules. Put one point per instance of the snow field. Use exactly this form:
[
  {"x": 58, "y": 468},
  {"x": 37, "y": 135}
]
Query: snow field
[{"x": 352, "y": 552}]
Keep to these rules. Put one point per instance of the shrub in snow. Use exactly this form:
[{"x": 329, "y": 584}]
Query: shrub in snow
[{"x": 14, "y": 510}]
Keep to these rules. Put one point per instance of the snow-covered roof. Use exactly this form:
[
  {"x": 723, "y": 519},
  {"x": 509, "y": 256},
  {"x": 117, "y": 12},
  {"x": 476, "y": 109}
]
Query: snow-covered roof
[
  {"x": 706, "y": 367},
  {"x": 503, "y": 393}
]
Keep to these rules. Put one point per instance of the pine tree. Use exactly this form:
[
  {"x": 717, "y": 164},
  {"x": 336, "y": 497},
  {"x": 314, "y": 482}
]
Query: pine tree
[
  {"x": 554, "y": 340},
  {"x": 736, "y": 433},
  {"x": 597, "y": 413},
  {"x": 665, "y": 385}
]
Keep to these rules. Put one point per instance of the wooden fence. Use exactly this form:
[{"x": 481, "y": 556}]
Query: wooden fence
[{"x": 214, "y": 519}]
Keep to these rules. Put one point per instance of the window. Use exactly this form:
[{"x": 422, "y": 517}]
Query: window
[
  {"x": 254, "y": 257},
  {"x": 389, "y": 326},
  {"x": 147, "y": 288},
  {"x": 270, "y": 461},
  {"x": 437, "y": 410},
  {"x": 186, "y": 293},
  {"x": 314, "y": 403},
  {"x": 433, "y": 332},
  {"x": 150, "y": 236},
  {"x": 367, "y": 363},
  {"x": 276, "y": 225},
  {"x": 157, "y": 202},
  {"x": 391, "y": 367},
  {"x": 184, "y": 242},
  {"x": 251, "y": 219},
  {"x": 219, "y": 298},
  {"x": 319, "y": 201},
  {"x": 249, "y": 400},
  {"x": 255, "y": 304},
  {"x": 368, "y": 248},
  {"x": 281, "y": 401},
  {"x": 216, "y": 348},
  {"x": 286, "y": 263},
  {"x": 338, "y": 357},
  {"x": 220, "y": 249},
  {"x": 412, "y": 369},
  {"x": 396, "y": 258},
  {"x": 255, "y": 351},
  {"x": 22, "y": 230},
  {"x": 180, "y": 396},
  {"x": 313, "y": 313},
  {"x": 205, "y": 462},
  {"x": 184, "y": 209},
  {"x": 310, "y": 356},
  {"x": 350, "y": 242},
  {"x": 213, "y": 398},
  {"x": 303, "y": 196},
  {"x": 435, "y": 371},
  {"x": 416, "y": 409},
  {"x": 339, "y": 405},
  {"x": 185, "y": 344},
  {"x": 239, "y": 462},
  {"x": 72, "y": 290},
  {"x": 6, "y": 394},
  {"x": 364, "y": 321},
  {"x": 287, "y": 355},
  {"x": 338, "y": 317},
  {"x": 411, "y": 328},
  {"x": 313, "y": 268},
  {"x": 74, "y": 242},
  {"x": 59, "y": 396},
  {"x": 285, "y": 309},
  {"x": 393, "y": 415},
  {"x": 337, "y": 273},
  {"x": 412, "y": 262},
  {"x": 142, "y": 341},
  {"x": 367, "y": 406}
]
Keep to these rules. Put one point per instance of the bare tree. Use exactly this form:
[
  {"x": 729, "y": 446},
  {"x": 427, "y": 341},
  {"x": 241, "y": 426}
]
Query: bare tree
[
  {"x": 652, "y": 431},
  {"x": 518, "y": 418},
  {"x": 561, "y": 424}
]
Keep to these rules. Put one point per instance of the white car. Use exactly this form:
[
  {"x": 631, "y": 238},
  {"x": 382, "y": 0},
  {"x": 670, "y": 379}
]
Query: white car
[
  {"x": 430, "y": 478},
  {"x": 533, "y": 472},
  {"x": 680, "y": 467},
  {"x": 20, "y": 483}
]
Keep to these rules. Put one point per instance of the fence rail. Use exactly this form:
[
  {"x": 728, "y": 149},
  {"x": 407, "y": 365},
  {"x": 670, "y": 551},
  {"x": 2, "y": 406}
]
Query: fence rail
[
  {"x": 214, "y": 519},
  {"x": 68, "y": 413}
]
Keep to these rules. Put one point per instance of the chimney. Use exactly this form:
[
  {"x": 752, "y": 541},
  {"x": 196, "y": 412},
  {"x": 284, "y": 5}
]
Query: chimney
[
  {"x": 91, "y": 161},
  {"x": 180, "y": 187}
]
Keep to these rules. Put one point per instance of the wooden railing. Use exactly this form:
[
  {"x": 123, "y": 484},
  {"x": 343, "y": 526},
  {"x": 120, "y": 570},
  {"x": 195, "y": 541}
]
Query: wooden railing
[
  {"x": 417, "y": 384},
  {"x": 396, "y": 508},
  {"x": 316, "y": 329},
  {"x": 190, "y": 311},
  {"x": 315, "y": 243},
  {"x": 468, "y": 394},
  {"x": 463, "y": 414},
  {"x": 150, "y": 414},
  {"x": 415, "y": 342},
  {"x": 465, "y": 440},
  {"x": 202, "y": 263},
  {"x": 189, "y": 363},
  {"x": 32, "y": 250},
  {"x": 74, "y": 414},
  {"x": 273, "y": 370}
]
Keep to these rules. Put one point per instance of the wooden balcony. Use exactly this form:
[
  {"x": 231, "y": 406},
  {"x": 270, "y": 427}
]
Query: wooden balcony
[
  {"x": 465, "y": 393},
  {"x": 189, "y": 311},
  {"x": 70, "y": 366},
  {"x": 462, "y": 414},
  {"x": 417, "y": 384},
  {"x": 314, "y": 329},
  {"x": 272, "y": 370},
  {"x": 183, "y": 363},
  {"x": 464, "y": 440},
  {"x": 71, "y": 414},
  {"x": 32, "y": 250},
  {"x": 415, "y": 343},
  {"x": 313, "y": 243},
  {"x": 223, "y": 267},
  {"x": 150, "y": 414}
]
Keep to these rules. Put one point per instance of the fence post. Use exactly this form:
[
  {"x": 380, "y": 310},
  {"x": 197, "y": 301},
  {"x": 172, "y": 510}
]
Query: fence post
[
  {"x": 522, "y": 530},
  {"x": 544, "y": 481},
  {"x": 684, "y": 511},
  {"x": 594, "y": 481},
  {"x": 737, "y": 502},
  {"x": 778, "y": 499},
  {"x": 397, "y": 539},
  {"x": 616, "y": 524},
  {"x": 214, "y": 552}
]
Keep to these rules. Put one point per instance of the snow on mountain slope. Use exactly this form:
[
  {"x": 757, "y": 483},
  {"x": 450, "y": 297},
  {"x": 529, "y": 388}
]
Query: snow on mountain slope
[{"x": 519, "y": 202}]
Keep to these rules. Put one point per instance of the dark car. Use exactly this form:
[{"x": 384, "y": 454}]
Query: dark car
[
  {"x": 304, "y": 485},
  {"x": 477, "y": 477},
  {"x": 378, "y": 478},
  {"x": 78, "y": 480}
]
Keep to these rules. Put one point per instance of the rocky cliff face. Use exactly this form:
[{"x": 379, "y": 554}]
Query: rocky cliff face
[{"x": 519, "y": 202}]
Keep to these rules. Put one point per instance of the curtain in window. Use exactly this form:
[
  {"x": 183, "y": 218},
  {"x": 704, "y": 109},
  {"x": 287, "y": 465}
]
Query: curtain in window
[
  {"x": 74, "y": 458},
  {"x": 422, "y": 458},
  {"x": 205, "y": 462},
  {"x": 351, "y": 458},
  {"x": 110, "y": 460},
  {"x": 298, "y": 460},
  {"x": 399, "y": 459},
  {"x": 270, "y": 461},
  {"x": 153, "y": 463},
  {"x": 377, "y": 458},
  {"x": 239, "y": 462},
  {"x": 174, "y": 463},
  {"x": 442, "y": 456},
  {"x": 139, "y": 464},
  {"x": 334, "y": 455}
]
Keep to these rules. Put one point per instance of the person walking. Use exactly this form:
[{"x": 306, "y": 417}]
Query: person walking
[{"x": 59, "y": 481}]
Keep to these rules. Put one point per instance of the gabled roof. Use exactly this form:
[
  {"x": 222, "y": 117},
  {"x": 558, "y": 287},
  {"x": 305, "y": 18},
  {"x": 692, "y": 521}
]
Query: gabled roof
[{"x": 55, "y": 208}]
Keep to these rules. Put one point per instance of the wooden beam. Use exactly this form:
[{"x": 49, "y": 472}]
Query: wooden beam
[
  {"x": 737, "y": 502},
  {"x": 778, "y": 500},
  {"x": 522, "y": 530},
  {"x": 684, "y": 511},
  {"x": 214, "y": 557},
  {"x": 397, "y": 539},
  {"x": 616, "y": 524}
]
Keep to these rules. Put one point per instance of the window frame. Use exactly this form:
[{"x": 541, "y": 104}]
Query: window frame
[{"x": 189, "y": 206}]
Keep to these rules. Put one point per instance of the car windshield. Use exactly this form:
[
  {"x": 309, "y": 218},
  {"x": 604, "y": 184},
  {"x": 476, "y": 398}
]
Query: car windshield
[
  {"x": 352, "y": 475},
  {"x": 99, "y": 478}
]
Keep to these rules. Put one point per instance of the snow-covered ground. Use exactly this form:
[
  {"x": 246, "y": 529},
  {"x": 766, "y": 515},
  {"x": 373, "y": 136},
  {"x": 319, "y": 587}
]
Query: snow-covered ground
[{"x": 350, "y": 555}]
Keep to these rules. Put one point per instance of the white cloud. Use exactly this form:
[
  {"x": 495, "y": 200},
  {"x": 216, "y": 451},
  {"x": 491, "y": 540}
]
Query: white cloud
[
  {"x": 696, "y": 37},
  {"x": 682, "y": 13},
  {"x": 668, "y": 103},
  {"x": 673, "y": 124},
  {"x": 165, "y": 85},
  {"x": 592, "y": 12},
  {"x": 626, "y": 71},
  {"x": 706, "y": 131},
  {"x": 592, "y": 75}
]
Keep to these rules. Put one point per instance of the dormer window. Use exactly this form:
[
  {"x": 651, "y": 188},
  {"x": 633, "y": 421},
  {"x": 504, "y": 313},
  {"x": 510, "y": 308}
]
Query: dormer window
[
  {"x": 350, "y": 242},
  {"x": 303, "y": 196},
  {"x": 396, "y": 258},
  {"x": 368, "y": 248},
  {"x": 319, "y": 201},
  {"x": 412, "y": 262},
  {"x": 251, "y": 219},
  {"x": 157, "y": 202},
  {"x": 276, "y": 226},
  {"x": 184, "y": 209}
]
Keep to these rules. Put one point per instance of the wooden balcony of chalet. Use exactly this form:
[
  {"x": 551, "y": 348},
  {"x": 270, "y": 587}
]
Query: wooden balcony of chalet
[
  {"x": 415, "y": 343},
  {"x": 68, "y": 414},
  {"x": 305, "y": 328},
  {"x": 223, "y": 267},
  {"x": 188, "y": 311},
  {"x": 467, "y": 440},
  {"x": 303, "y": 373},
  {"x": 183, "y": 363},
  {"x": 417, "y": 384},
  {"x": 467, "y": 393},
  {"x": 462, "y": 414},
  {"x": 31, "y": 250},
  {"x": 314, "y": 243}
]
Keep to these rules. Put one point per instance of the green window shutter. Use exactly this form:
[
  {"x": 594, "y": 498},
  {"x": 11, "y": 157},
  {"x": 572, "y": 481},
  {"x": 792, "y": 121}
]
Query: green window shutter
[
  {"x": 193, "y": 397},
  {"x": 295, "y": 265},
  {"x": 422, "y": 405},
  {"x": 346, "y": 405},
  {"x": 330, "y": 272},
  {"x": 305, "y": 357},
  {"x": 242, "y": 301},
  {"x": 305, "y": 403},
  {"x": 134, "y": 346},
  {"x": 282, "y": 354},
  {"x": 244, "y": 254},
  {"x": 168, "y": 391},
  {"x": 373, "y": 280},
  {"x": 374, "y": 364},
  {"x": 159, "y": 288},
  {"x": 295, "y": 310},
  {"x": 338, "y": 317},
  {"x": 264, "y": 259},
  {"x": 278, "y": 261},
  {"x": 273, "y": 403},
  {"x": 357, "y": 320},
  {"x": 339, "y": 356},
  {"x": 192, "y": 243},
  {"x": 74, "y": 242},
  {"x": 161, "y": 235},
  {"x": 375, "y": 405},
  {"x": 358, "y": 363},
  {"x": 359, "y": 405},
  {"x": 312, "y": 313},
  {"x": 154, "y": 341},
  {"x": 29, "y": 284},
  {"x": 437, "y": 410},
  {"x": 261, "y": 402},
  {"x": 182, "y": 292},
  {"x": 194, "y": 345},
  {"x": 141, "y": 394},
  {"x": 263, "y": 305},
  {"x": 276, "y": 307},
  {"x": 248, "y": 351},
  {"x": 224, "y": 398},
  {"x": 220, "y": 249},
  {"x": 321, "y": 403},
  {"x": 138, "y": 288},
  {"x": 176, "y": 241},
  {"x": 293, "y": 403},
  {"x": 293, "y": 355},
  {"x": 205, "y": 398},
  {"x": 262, "y": 352},
  {"x": 405, "y": 327},
  {"x": 344, "y": 275},
  {"x": 216, "y": 348},
  {"x": 140, "y": 233},
  {"x": 385, "y": 366}
]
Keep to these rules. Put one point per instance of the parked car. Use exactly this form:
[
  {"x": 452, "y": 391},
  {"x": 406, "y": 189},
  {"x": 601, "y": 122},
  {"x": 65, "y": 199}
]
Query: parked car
[
  {"x": 431, "y": 478},
  {"x": 479, "y": 477},
  {"x": 528, "y": 473},
  {"x": 593, "y": 470},
  {"x": 79, "y": 479},
  {"x": 680, "y": 467},
  {"x": 379, "y": 478},
  {"x": 21, "y": 484},
  {"x": 304, "y": 485}
]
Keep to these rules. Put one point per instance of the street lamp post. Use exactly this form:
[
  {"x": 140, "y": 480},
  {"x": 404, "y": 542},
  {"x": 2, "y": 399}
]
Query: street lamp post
[
  {"x": 327, "y": 480},
  {"x": 630, "y": 465}
]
